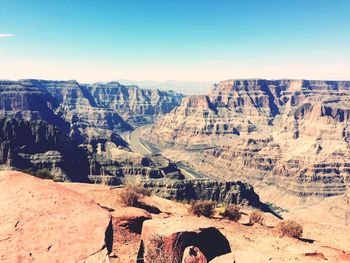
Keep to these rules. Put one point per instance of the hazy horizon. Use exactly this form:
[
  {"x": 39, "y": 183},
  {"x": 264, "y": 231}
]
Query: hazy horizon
[{"x": 182, "y": 40}]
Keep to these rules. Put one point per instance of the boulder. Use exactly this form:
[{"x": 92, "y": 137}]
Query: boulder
[
  {"x": 170, "y": 237},
  {"x": 131, "y": 218},
  {"x": 42, "y": 221}
]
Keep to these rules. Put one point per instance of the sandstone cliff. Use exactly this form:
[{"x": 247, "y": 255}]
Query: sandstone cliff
[
  {"x": 220, "y": 192},
  {"x": 36, "y": 145},
  {"x": 93, "y": 111},
  {"x": 63, "y": 117},
  {"x": 292, "y": 133}
]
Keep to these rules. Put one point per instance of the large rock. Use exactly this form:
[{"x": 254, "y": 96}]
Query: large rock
[
  {"x": 221, "y": 192},
  {"x": 42, "y": 221},
  {"x": 290, "y": 133},
  {"x": 171, "y": 236},
  {"x": 130, "y": 218}
]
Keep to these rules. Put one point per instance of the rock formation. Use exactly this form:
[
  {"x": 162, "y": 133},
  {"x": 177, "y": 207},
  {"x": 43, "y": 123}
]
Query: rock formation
[
  {"x": 135, "y": 105},
  {"x": 36, "y": 145},
  {"x": 173, "y": 235},
  {"x": 291, "y": 133},
  {"x": 73, "y": 129},
  {"x": 220, "y": 192},
  {"x": 42, "y": 221},
  {"x": 94, "y": 110}
]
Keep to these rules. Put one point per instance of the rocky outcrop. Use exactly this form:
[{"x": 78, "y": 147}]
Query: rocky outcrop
[
  {"x": 36, "y": 145},
  {"x": 173, "y": 235},
  {"x": 65, "y": 120},
  {"x": 94, "y": 110},
  {"x": 135, "y": 105},
  {"x": 221, "y": 192},
  {"x": 42, "y": 221},
  {"x": 290, "y": 133}
]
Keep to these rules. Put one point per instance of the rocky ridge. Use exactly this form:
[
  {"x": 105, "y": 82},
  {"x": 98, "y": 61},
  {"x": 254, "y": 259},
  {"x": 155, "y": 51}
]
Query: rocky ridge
[
  {"x": 87, "y": 109},
  {"x": 51, "y": 124},
  {"x": 290, "y": 133},
  {"x": 35, "y": 145}
]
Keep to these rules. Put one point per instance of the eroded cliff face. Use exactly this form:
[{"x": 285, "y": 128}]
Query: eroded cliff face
[
  {"x": 220, "y": 192},
  {"x": 291, "y": 133},
  {"x": 135, "y": 105},
  {"x": 36, "y": 145},
  {"x": 92, "y": 111},
  {"x": 76, "y": 116}
]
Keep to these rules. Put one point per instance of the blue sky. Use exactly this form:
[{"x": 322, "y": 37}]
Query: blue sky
[{"x": 182, "y": 40}]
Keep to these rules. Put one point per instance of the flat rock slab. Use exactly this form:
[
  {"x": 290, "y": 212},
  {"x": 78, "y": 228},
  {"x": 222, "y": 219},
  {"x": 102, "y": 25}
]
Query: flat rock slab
[{"x": 42, "y": 221}]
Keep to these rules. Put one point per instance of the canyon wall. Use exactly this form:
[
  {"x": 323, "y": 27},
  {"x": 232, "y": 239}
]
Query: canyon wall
[
  {"x": 290, "y": 133},
  {"x": 73, "y": 129}
]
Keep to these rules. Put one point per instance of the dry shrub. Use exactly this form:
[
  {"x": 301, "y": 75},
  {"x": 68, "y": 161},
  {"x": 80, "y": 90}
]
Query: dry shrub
[
  {"x": 256, "y": 217},
  {"x": 129, "y": 197},
  {"x": 140, "y": 190},
  {"x": 232, "y": 212},
  {"x": 290, "y": 228},
  {"x": 202, "y": 208},
  {"x": 155, "y": 252}
]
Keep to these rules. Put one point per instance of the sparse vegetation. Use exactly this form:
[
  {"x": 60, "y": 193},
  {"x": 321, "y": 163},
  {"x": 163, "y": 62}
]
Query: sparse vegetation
[
  {"x": 41, "y": 173},
  {"x": 44, "y": 174},
  {"x": 140, "y": 190},
  {"x": 232, "y": 212},
  {"x": 129, "y": 197},
  {"x": 202, "y": 208},
  {"x": 290, "y": 228},
  {"x": 256, "y": 216},
  {"x": 155, "y": 252},
  {"x": 132, "y": 194}
]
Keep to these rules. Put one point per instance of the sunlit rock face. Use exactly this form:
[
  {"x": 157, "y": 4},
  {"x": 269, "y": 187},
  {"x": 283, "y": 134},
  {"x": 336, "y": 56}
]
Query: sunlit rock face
[
  {"x": 91, "y": 110},
  {"x": 48, "y": 124},
  {"x": 135, "y": 105},
  {"x": 291, "y": 133}
]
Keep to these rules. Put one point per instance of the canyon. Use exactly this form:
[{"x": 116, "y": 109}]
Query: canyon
[
  {"x": 79, "y": 132},
  {"x": 280, "y": 146},
  {"x": 293, "y": 134}
]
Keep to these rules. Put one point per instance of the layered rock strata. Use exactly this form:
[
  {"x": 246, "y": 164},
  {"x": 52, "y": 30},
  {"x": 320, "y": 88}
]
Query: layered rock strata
[
  {"x": 35, "y": 145},
  {"x": 220, "y": 192},
  {"x": 94, "y": 110},
  {"x": 51, "y": 124},
  {"x": 291, "y": 133}
]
